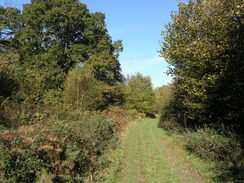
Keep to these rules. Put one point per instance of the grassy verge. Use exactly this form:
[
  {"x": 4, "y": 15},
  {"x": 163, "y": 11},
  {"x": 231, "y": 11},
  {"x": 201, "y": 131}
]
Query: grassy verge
[
  {"x": 149, "y": 154},
  {"x": 218, "y": 154},
  {"x": 111, "y": 165},
  {"x": 202, "y": 166}
]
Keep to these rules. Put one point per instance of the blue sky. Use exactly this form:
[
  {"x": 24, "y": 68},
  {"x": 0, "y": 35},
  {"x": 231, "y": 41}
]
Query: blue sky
[{"x": 139, "y": 24}]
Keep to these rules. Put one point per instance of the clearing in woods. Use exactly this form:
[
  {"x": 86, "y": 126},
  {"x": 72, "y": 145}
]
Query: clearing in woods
[{"x": 149, "y": 155}]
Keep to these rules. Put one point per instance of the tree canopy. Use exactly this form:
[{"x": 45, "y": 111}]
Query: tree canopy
[
  {"x": 204, "y": 46},
  {"x": 163, "y": 96},
  {"x": 139, "y": 94},
  {"x": 82, "y": 90},
  {"x": 42, "y": 44},
  {"x": 49, "y": 38}
]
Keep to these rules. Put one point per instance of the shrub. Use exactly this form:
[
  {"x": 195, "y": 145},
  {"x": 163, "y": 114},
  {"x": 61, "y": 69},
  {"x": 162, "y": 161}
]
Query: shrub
[
  {"x": 57, "y": 150},
  {"x": 168, "y": 120},
  {"x": 209, "y": 144},
  {"x": 222, "y": 148},
  {"x": 171, "y": 126},
  {"x": 122, "y": 116}
]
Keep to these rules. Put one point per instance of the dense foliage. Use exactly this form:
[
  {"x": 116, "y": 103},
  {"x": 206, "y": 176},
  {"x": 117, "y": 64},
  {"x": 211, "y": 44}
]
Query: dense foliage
[
  {"x": 163, "y": 96},
  {"x": 64, "y": 149},
  {"x": 55, "y": 150},
  {"x": 139, "y": 94},
  {"x": 204, "y": 46},
  {"x": 39, "y": 48},
  {"x": 61, "y": 93},
  {"x": 82, "y": 90}
]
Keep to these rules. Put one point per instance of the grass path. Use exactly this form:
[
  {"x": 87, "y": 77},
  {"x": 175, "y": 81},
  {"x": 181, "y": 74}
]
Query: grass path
[{"x": 148, "y": 155}]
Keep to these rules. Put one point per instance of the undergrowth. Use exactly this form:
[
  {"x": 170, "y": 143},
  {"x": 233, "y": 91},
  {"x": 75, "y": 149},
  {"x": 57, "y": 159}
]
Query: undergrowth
[
  {"x": 222, "y": 147},
  {"x": 67, "y": 147}
]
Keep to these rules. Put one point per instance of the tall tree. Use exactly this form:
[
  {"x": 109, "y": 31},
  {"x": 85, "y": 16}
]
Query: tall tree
[
  {"x": 204, "y": 46},
  {"x": 139, "y": 94},
  {"x": 9, "y": 23},
  {"x": 163, "y": 96},
  {"x": 82, "y": 90},
  {"x": 65, "y": 31},
  {"x": 9, "y": 18},
  {"x": 52, "y": 37}
]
